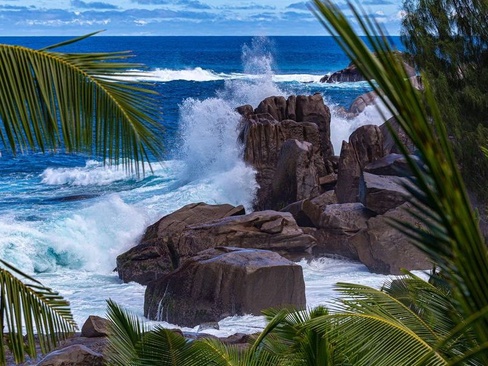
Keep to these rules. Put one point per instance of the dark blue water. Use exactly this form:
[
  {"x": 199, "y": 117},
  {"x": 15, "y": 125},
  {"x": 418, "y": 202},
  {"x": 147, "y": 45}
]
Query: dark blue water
[{"x": 66, "y": 217}]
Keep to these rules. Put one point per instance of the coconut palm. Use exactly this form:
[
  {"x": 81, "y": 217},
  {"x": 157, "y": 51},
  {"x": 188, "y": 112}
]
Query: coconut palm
[
  {"x": 453, "y": 240},
  {"x": 131, "y": 343},
  {"x": 409, "y": 322},
  {"x": 78, "y": 101},
  {"x": 290, "y": 336}
]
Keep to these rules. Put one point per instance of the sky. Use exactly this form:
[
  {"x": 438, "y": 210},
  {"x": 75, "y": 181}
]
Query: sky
[{"x": 176, "y": 17}]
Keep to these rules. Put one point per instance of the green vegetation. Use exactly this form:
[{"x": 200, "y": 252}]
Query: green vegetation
[
  {"x": 409, "y": 321},
  {"x": 79, "y": 101},
  {"x": 448, "y": 42}
]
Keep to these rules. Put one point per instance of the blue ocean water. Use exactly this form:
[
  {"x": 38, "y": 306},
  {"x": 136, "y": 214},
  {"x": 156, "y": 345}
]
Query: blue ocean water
[{"x": 65, "y": 218}]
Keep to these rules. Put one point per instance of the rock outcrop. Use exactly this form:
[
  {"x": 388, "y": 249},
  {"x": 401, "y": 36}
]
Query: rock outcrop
[
  {"x": 181, "y": 235},
  {"x": 389, "y": 143},
  {"x": 264, "y": 132},
  {"x": 225, "y": 281},
  {"x": 95, "y": 326},
  {"x": 365, "y": 146},
  {"x": 382, "y": 193},
  {"x": 383, "y": 249},
  {"x": 155, "y": 255},
  {"x": 346, "y": 75},
  {"x": 352, "y": 74}
]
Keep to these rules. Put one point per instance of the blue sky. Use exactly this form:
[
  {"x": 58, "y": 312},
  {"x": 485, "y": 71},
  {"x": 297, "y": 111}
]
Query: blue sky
[{"x": 175, "y": 17}]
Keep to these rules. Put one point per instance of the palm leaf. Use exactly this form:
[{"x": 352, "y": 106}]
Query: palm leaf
[
  {"x": 289, "y": 335},
  {"x": 80, "y": 101},
  {"x": 213, "y": 352},
  {"x": 126, "y": 334},
  {"x": 166, "y": 348},
  {"x": 31, "y": 308},
  {"x": 453, "y": 241}
]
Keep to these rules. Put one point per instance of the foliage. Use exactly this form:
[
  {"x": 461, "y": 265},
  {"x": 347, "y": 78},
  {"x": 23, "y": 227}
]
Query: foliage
[
  {"x": 448, "y": 41},
  {"x": 78, "y": 100},
  {"x": 452, "y": 240},
  {"x": 290, "y": 336},
  {"x": 37, "y": 308},
  {"x": 130, "y": 343},
  {"x": 410, "y": 321}
]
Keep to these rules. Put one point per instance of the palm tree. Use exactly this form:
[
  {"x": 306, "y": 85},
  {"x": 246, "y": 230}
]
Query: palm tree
[
  {"x": 130, "y": 343},
  {"x": 410, "y": 321},
  {"x": 290, "y": 336},
  {"x": 453, "y": 240},
  {"x": 50, "y": 99}
]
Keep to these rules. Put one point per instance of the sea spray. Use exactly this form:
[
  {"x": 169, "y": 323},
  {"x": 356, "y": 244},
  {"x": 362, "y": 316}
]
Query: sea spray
[
  {"x": 210, "y": 127},
  {"x": 341, "y": 128},
  {"x": 66, "y": 221}
]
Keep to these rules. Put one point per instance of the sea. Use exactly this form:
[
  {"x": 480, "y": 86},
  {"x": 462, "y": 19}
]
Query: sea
[{"x": 64, "y": 218}]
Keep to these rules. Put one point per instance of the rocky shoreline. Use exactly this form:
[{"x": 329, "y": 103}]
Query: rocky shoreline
[
  {"x": 204, "y": 262},
  {"x": 200, "y": 262}
]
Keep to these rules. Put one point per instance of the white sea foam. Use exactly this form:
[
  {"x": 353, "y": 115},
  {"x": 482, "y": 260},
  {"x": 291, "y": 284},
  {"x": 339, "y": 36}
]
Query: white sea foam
[
  {"x": 341, "y": 128},
  {"x": 74, "y": 250},
  {"x": 93, "y": 173},
  {"x": 199, "y": 74}
]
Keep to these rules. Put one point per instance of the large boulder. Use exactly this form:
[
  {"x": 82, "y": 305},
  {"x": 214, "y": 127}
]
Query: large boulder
[
  {"x": 95, "y": 326},
  {"x": 381, "y": 193},
  {"x": 391, "y": 164},
  {"x": 155, "y": 254},
  {"x": 383, "y": 249},
  {"x": 360, "y": 103},
  {"x": 338, "y": 224},
  {"x": 276, "y": 120},
  {"x": 296, "y": 176},
  {"x": 305, "y": 212},
  {"x": 181, "y": 235},
  {"x": 270, "y": 230},
  {"x": 224, "y": 281},
  {"x": 389, "y": 144},
  {"x": 365, "y": 146}
]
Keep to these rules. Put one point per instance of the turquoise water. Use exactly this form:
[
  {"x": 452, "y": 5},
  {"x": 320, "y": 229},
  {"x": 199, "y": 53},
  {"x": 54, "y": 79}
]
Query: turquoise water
[{"x": 65, "y": 218}]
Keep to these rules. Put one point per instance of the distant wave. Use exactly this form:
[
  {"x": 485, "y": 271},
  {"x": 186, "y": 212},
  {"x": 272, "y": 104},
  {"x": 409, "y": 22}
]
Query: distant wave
[
  {"x": 94, "y": 173},
  {"x": 199, "y": 74}
]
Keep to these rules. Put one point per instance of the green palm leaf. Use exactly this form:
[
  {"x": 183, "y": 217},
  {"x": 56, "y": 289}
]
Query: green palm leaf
[
  {"x": 31, "y": 308},
  {"x": 80, "y": 101},
  {"x": 126, "y": 334},
  {"x": 213, "y": 352},
  {"x": 289, "y": 335},
  {"x": 452, "y": 240}
]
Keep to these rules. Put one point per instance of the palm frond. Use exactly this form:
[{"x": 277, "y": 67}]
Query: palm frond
[
  {"x": 83, "y": 102},
  {"x": 434, "y": 304},
  {"x": 166, "y": 348},
  {"x": 460, "y": 250},
  {"x": 289, "y": 335},
  {"x": 213, "y": 352},
  {"x": 32, "y": 308},
  {"x": 126, "y": 334}
]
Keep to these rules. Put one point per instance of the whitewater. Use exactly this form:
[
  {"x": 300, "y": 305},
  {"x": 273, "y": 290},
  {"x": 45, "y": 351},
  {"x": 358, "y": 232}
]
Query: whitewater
[{"x": 66, "y": 223}]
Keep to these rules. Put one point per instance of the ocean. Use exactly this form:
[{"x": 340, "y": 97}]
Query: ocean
[{"x": 65, "y": 218}]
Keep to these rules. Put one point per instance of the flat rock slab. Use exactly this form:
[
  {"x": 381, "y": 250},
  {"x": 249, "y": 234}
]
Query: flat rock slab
[{"x": 225, "y": 281}]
